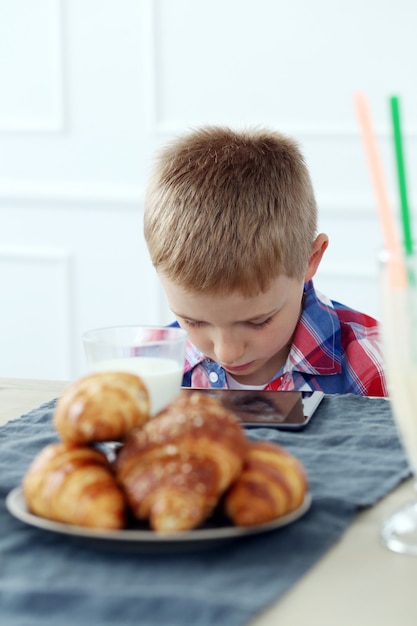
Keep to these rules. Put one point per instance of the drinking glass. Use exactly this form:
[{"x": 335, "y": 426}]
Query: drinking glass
[
  {"x": 399, "y": 337},
  {"x": 155, "y": 353}
]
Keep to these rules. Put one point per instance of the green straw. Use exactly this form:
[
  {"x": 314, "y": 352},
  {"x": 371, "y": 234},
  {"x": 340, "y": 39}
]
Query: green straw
[{"x": 405, "y": 211}]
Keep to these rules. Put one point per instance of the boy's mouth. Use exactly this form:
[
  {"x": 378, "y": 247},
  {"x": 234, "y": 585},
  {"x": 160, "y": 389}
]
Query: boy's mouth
[{"x": 238, "y": 368}]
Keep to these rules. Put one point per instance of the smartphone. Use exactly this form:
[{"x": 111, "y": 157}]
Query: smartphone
[{"x": 285, "y": 410}]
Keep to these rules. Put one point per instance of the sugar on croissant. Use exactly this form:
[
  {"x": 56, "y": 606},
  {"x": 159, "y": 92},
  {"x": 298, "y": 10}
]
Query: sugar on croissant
[
  {"x": 176, "y": 466},
  {"x": 74, "y": 484},
  {"x": 272, "y": 483},
  {"x": 102, "y": 406}
]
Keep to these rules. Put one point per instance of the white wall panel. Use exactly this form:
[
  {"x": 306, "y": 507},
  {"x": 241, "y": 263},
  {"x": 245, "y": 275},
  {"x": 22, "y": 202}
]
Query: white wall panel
[
  {"x": 291, "y": 64},
  {"x": 112, "y": 279},
  {"x": 36, "y": 313},
  {"x": 31, "y": 66},
  {"x": 349, "y": 270}
]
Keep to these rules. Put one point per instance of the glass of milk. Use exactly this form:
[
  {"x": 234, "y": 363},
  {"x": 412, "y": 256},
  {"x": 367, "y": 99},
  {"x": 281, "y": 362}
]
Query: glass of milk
[
  {"x": 155, "y": 353},
  {"x": 399, "y": 337}
]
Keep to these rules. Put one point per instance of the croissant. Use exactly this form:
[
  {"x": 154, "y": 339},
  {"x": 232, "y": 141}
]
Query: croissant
[
  {"x": 272, "y": 483},
  {"x": 103, "y": 406},
  {"x": 75, "y": 485},
  {"x": 174, "y": 469}
]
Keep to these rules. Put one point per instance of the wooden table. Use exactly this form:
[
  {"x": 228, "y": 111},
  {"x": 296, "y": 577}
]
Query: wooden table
[{"x": 357, "y": 583}]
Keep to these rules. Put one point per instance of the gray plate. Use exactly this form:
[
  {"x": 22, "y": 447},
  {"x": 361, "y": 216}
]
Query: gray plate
[{"x": 146, "y": 540}]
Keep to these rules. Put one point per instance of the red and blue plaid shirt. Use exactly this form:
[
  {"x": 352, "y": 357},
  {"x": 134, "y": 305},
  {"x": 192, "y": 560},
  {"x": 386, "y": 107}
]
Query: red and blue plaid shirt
[{"x": 335, "y": 349}]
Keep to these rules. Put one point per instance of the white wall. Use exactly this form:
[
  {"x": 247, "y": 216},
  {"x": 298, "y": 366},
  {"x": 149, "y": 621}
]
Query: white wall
[{"x": 89, "y": 89}]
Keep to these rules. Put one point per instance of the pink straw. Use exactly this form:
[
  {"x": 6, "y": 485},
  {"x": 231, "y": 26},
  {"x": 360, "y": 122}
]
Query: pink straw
[{"x": 386, "y": 215}]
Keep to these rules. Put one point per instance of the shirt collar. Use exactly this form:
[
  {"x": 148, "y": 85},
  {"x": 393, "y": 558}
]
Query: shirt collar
[
  {"x": 193, "y": 357},
  {"x": 316, "y": 346}
]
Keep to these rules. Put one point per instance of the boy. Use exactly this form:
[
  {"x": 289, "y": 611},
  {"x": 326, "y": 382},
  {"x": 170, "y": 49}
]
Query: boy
[{"x": 231, "y": 227}]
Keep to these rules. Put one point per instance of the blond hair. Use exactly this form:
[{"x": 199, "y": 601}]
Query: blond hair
[{"x": 230, "y": 211}]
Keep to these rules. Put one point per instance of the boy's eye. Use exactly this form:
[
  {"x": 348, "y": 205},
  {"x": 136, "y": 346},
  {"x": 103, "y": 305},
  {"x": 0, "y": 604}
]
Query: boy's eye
[
  {"x": 254, "y": 325},
  {"x": 258, "y": 325},
  {"x": 193, "y": 323}
]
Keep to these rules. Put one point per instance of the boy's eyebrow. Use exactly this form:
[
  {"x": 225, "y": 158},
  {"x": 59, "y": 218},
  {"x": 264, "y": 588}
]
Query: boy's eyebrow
[
  {"x": 250, "y": 319},
  {"x": 260, "y": 315},
  {"x": 185, "y": 317}
]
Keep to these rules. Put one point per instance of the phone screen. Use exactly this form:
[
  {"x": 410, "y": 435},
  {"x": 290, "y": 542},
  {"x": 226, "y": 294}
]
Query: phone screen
[{"x": 285, "y": 410}]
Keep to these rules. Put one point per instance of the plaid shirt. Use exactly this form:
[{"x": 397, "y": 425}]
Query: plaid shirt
[{"x": 335, "y": 349}]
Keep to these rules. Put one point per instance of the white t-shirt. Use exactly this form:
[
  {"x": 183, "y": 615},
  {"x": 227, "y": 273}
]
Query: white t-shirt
[{"x": 234, "y": 384}]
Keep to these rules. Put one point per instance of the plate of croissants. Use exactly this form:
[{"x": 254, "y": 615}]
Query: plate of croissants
[{"x": 188, "y": 476}]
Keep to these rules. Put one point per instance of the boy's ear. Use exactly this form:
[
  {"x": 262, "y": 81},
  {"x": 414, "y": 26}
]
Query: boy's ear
[{"x": 319, "y": 247}]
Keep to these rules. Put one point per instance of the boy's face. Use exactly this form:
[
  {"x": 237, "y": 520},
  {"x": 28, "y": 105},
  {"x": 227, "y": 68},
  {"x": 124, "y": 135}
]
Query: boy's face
[{"x": 249, "y": 337}]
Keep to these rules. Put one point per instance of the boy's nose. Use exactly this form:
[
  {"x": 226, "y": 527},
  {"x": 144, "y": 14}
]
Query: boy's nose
[{"x": 228, "y": 350}]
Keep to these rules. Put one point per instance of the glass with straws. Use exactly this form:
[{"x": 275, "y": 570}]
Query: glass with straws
[{"x": 399, "y": 336}]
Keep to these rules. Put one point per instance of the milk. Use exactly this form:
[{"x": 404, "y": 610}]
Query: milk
[
  {"x": 162, "y": 377},
  {"x": 402, "y": 382},
  {"x": 399, "y": 335}
]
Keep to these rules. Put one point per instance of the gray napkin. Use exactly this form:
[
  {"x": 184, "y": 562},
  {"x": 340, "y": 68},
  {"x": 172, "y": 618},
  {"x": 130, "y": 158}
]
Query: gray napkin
[{"x": 353, "y": 458}]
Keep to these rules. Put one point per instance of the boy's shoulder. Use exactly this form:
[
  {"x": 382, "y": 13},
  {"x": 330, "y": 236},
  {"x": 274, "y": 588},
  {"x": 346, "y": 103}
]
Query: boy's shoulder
[
  {"x": 328, "y": 330},
  {"x": 320, "y": 306},
  {"x": 337, "y": 339}
]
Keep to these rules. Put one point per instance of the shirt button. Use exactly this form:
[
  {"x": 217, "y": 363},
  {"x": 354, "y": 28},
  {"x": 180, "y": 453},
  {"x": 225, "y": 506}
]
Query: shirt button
[{"x": 213, "y": 377}]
